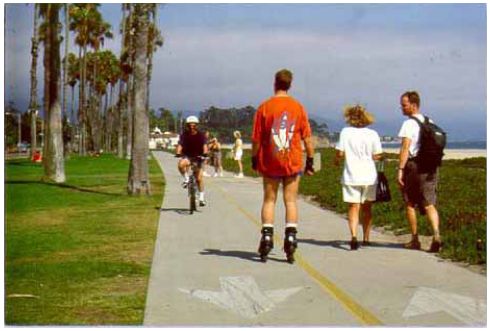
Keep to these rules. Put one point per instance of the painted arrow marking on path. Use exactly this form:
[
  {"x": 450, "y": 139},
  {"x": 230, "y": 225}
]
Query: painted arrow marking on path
[
  {"x": 429, "y": 300},
  {"x": 243, "y": 296}
]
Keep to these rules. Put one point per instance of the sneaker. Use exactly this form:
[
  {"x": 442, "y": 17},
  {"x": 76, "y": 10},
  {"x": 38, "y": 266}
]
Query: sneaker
[
  {"x": 239, "y": 175},
  {"x": 413, "y": 244},
  {"x": 185, "y": 182},
  {"x": 202, "y": 203},
  {"x": 221, "y": 174},
  {"x": 435, "y": 247},
  {"x": 215, "y": 175},
  {"x": 205, "y": 174}
]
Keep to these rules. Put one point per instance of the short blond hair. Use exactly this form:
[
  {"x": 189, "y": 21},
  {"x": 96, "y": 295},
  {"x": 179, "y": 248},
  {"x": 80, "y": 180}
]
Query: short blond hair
[
  {"x": 237, "y": 134},
  {"x": 357, "y": 116}
]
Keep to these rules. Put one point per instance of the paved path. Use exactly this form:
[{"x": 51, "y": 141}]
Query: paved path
[{"x": 206, "y": 271}]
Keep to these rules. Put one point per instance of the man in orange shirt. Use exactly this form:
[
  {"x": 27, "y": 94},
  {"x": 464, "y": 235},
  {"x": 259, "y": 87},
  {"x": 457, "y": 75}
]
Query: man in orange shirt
[{"x": 280, "y": 124}]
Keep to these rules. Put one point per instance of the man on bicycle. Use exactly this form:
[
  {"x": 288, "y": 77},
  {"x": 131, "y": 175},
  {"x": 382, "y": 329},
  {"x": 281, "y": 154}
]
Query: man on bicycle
[{"x": 192, "y": 146}]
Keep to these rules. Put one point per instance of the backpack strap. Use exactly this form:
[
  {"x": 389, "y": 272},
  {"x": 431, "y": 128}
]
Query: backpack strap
[{"x": 426, "y": 120}]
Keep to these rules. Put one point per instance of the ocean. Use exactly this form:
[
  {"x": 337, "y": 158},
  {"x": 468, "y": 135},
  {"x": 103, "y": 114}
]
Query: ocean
[{"x": 450, "y": 145}]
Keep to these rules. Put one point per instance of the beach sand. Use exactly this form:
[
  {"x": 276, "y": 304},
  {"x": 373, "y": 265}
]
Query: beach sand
[{"x": 451, "y": 154}]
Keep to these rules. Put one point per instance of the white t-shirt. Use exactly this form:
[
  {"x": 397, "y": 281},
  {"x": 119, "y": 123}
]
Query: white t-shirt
[
  {"x": 359, "y": 145},
  {"x": 411, "y": 129}
]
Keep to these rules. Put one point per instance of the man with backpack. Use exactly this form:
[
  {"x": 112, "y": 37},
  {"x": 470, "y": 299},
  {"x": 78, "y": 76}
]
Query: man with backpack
[{"x": 420, "y": 155}]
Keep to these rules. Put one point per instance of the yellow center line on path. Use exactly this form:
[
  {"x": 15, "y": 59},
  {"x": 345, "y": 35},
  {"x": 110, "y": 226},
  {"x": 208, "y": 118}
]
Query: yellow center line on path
[{"x": 359, "y": 312}]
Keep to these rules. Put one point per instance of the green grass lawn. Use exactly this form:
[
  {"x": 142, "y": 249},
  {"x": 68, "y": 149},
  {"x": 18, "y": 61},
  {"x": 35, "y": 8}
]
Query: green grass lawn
[
  {"x": 462, "y": 202},
  {"x": 78, "y": 253}
]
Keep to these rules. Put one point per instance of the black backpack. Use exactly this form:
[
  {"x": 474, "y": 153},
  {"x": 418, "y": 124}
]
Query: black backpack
[{"x": 432, "y": 141}]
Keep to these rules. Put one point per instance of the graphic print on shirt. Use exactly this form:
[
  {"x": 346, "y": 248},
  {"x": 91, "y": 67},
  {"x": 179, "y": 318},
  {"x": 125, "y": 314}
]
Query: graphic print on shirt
[{"x": 282, "y": 132}]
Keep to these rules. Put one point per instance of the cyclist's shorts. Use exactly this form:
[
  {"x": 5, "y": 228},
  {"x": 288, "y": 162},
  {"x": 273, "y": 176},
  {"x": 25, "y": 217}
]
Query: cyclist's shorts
[{"x": 197, "y": 160}]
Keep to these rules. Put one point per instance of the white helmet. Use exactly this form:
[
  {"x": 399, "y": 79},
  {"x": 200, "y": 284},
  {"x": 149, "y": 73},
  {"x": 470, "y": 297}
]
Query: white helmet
[{"x": 191, "y": 119}]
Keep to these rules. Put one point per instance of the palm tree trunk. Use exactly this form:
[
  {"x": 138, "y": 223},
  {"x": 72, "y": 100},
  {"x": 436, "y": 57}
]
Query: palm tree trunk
[
  {"x": 129, "y": 86},
  {"x": 120, "y": 131},
  {"x": 65, "y": 62},
  {"x": 110, "y": 119},
  {"x": 72, "y": 115},
  {"x": 154, "y": 12},
  {"x": 81, "y": 102},
  {"x": 33, "y": 106},
  {"x": 138, "y": 179},
  {"x": 65, "y": 78},
  {"x": 54, "y": 168}
]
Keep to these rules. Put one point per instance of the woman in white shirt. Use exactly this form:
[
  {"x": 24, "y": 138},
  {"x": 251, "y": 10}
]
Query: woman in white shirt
[
  {"x": 238, "y": 152},
  {"x": 359, "y": 146}
]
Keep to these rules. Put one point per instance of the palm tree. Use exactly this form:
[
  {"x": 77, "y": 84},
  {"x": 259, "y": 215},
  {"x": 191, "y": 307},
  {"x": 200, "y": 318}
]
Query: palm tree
[
  {"x": 82, "y": 17},
  {"x": 64, "y": 84},
  {"x": 155, "y": 40},
  {"x": 33, "y": 106},
  {"x": 99, "y": 80},
  {"x": 130, "y": 35},
  {"x": 53, "y": 161},
  {"x": 65, "y": 60},
  {"x": 138, "y": 178},
  {"x": 90, "y": 30},
  {"x": 73, "y": 77},
  {"x": 124, "y": 77},
  {"x": 113, "y": 76}
]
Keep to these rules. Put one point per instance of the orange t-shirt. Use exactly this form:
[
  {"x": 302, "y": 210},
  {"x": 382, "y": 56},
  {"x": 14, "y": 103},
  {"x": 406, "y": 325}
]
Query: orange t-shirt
[{"x": 280, "y": 124}]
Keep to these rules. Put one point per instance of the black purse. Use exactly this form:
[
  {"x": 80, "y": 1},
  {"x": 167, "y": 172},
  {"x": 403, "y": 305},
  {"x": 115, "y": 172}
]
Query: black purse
[{"x": 383, "y": 193}]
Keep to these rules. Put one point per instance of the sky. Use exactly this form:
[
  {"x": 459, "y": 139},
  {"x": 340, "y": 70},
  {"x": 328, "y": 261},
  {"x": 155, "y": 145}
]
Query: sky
[{"x": 226, "y": 55}]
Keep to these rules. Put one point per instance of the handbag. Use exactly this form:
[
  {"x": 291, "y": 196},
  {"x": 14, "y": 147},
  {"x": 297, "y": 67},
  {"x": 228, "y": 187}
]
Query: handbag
[{"x": 383, "y": 193}]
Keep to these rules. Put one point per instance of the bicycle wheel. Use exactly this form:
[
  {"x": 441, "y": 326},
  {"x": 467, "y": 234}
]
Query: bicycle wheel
[{"x": 192, "y": 196}]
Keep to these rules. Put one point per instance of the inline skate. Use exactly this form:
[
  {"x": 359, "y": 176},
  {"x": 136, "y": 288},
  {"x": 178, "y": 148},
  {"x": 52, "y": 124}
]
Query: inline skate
[
  {"x": 290, "y": 243},
  {"x": 266, "y": 242}
]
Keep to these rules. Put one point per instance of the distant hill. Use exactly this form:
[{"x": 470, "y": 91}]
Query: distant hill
[{"x": 334, "y": 125}]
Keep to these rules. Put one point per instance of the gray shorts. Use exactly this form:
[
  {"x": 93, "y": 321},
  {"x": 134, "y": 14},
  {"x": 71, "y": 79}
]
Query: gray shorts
[{"x": 420, "y": 189}]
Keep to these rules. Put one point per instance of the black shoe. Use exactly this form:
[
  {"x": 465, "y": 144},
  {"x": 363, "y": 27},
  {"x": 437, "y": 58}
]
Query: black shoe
[
  {"x": 202, "y": 203},
  {"x": 366, "y": 243},
  {"x": 354, "y": 244},
  {"x": 435, "y": 247},
  {"x": 413, "y": 244}
]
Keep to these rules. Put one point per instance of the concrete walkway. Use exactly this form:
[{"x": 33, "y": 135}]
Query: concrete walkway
[{"x": 206, "y": 271}]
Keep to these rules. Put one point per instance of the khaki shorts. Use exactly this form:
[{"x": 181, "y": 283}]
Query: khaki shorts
[
  {"x": 420, "y": 189},
  {"x": 358, "y": 193}
]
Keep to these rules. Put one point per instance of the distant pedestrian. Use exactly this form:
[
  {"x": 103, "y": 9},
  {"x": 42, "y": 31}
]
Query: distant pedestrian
[
  {"x": 215, "y": 152},
  {"x": 360, "y": 147},
  {"x": 238, "y": 152},
  {"x": 207, "y": 161},
  {"x": 419, "y": 187},
  {"x": 280, "y": 125}
]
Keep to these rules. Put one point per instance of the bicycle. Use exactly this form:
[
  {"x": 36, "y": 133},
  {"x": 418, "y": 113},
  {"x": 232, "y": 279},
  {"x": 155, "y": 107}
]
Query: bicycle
[{"x": 192, "y": 187}]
